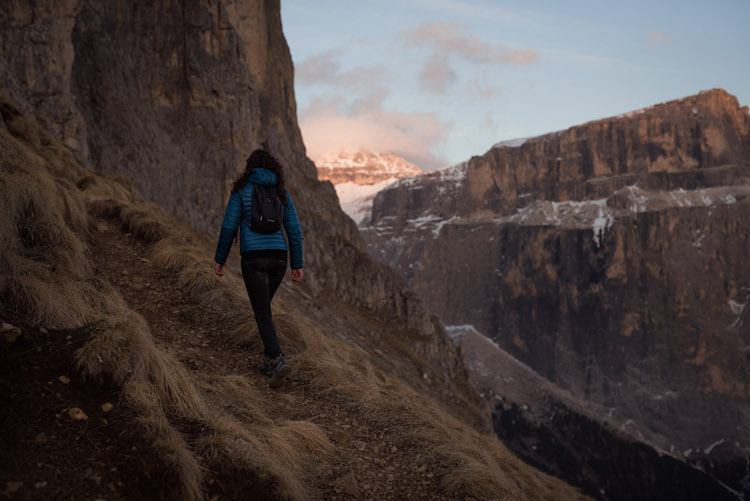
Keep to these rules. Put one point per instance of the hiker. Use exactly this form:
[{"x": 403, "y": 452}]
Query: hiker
[{"x": 263, "y": 247}]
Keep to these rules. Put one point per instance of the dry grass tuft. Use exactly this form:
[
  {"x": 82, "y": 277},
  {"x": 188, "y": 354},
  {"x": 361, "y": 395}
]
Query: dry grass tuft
[
  {"x": 43, "y": 298},
  {"x": 279, "y": 454},
  {"x": 165, "y": 254},
  {"x": 197, "y": 278},
  {"x": 105, "y": 207},
  {"x": 169, "y": 445},
  {"x": 125, "y": 351},
  {"x": 42, "y": 260},
  {"x": 290, "y": 334},
  {"x": 145, "y": 221},
  {"x": 296, "y": 447},
  {"x": 142, "y": 220},
  {"x": 238, "y": 395}
]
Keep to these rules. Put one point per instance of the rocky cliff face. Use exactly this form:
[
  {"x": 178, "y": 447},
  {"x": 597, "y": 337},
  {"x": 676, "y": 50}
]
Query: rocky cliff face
[
  {"x": 610, "y": 257},
  {"x": 175, "y": 95}
]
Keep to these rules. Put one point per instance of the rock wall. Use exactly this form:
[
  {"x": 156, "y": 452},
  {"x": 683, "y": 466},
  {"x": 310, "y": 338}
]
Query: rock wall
[
  {"x": 585, "y": 162},
  {"x": 175, "y": 95},
  {"x": 611, "y": 258}
]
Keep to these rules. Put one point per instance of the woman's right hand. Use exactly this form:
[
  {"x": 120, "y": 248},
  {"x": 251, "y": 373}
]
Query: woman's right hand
[{"x": 296, "y": 275}]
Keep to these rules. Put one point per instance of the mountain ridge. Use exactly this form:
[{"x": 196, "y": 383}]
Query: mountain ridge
[{"x": 607, "y": 257}]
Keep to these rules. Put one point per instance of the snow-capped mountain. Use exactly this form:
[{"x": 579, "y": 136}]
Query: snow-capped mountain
[{"x": 359, "y": 176}]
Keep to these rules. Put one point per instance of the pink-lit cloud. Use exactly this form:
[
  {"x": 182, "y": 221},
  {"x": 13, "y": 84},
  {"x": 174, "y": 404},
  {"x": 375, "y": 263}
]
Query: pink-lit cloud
[
  {"x": 436, "y": 75},
  {"x": 480, "y": 90},
  {"x": 350, "y": 116},
  {"x": 362, "y": 78},
  {"x": 448, "y": 39},
  {"x": 318, "y": 68},
  {"x": 325, "y": 69},
  {"x": 366, "y": 125},
  {"x": 656, "y": 39}
]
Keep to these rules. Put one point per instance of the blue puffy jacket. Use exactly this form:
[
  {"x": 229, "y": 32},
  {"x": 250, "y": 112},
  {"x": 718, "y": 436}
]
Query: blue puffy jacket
[{"x": 239, "y": 208}]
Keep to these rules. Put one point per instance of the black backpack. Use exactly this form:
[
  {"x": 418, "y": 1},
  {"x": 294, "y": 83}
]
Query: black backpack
[{"x": 267, "y": 211}]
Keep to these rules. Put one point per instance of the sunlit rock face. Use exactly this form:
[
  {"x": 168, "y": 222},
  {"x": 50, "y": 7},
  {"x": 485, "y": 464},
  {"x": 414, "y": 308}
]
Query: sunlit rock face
[
  {"x": 610, "y": 257},
  {"x": 363, "y": 167},
  {"x": 358, "y": 177}
]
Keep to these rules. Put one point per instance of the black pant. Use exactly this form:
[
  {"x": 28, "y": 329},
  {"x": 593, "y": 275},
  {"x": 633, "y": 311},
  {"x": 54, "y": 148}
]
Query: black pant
[{"x": 262, "y": 277}]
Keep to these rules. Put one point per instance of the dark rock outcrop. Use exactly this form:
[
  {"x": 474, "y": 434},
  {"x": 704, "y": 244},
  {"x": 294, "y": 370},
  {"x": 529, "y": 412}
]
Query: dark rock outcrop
[
  {"x": 556, "y": 431},
  {"x": 604, "y": 464},
  {"x": 610, "y": 258}
]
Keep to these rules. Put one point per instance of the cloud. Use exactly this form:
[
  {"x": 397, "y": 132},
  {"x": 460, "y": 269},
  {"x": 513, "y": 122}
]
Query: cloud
[
  {"x": 436, "y": 75},
  {"x": 319, "y": 68},
  {"x": 325, "y": 69},
  {"x": 349, "y": 114},
  {"x": 656, "y": 39},
  {"x": 333, "y": 127},
  {"x": 362, "y": 78},
  {"x": 479, "y": 89},
  {"x": 447, "y": 39}
]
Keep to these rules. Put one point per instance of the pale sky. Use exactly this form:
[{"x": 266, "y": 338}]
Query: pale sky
[{"x": 438, "y": 81}]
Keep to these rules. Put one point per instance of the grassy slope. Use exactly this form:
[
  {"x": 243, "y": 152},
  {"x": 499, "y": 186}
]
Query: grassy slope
[{"x": 136, "y": 316}]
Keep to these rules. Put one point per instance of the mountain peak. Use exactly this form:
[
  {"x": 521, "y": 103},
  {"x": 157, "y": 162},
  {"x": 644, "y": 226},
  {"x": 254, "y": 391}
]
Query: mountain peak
[
  {"x": 359, "y": 176},
  {"x": 363, "y": 167}
]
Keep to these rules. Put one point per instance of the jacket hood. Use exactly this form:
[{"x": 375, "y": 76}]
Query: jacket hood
[{"x": 263, "y": 177}]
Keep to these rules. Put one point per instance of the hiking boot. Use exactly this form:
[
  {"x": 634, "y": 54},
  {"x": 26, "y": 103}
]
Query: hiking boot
[
  {"x": 266, "y": 366},
  {"x": 280, "y": 371}
]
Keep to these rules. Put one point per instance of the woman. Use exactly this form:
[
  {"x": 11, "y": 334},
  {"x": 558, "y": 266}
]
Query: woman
[{"x": 264, "y": 255}]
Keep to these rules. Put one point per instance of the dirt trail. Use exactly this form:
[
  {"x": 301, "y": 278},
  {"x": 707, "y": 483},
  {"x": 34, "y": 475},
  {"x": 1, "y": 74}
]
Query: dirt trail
[{"x": 372, "y": 459}]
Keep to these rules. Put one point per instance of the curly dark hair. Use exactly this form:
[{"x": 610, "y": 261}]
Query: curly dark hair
[{"x": 262, "y": 159}]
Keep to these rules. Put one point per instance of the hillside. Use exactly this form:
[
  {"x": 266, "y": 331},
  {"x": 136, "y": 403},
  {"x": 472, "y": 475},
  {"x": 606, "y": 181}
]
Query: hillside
[{"x": 116, "y": 303}]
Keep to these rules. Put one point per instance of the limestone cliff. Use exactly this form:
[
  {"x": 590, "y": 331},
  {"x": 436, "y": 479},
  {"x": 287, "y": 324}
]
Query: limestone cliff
[
  {"x": 175, "y": 95},
  {"x": 611, "y": 258}
]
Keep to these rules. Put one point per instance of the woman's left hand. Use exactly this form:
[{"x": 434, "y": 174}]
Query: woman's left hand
[{"x": 217, "y": 268}]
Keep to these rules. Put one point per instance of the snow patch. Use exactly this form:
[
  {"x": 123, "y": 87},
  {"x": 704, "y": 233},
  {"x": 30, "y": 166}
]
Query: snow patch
[
  {"x": 699, "y": 237},
  {"x": 634, "y": 113},
  {"x": 457, "y": 332},
  {"x": 406, "y": 182},
  {"x": 511, "y": 143},
  {"x": 455, "y": 173},
  {"x": 708, "y": 449},
  {"x": 430, "y": 221},
  {"x": 602, "y": 222},
  {"x": 356, "y": 199},
  {"x": 736, "y": 307},
  {"x": 638, "y": 198},
  {"x": 594, "y": 214}
]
